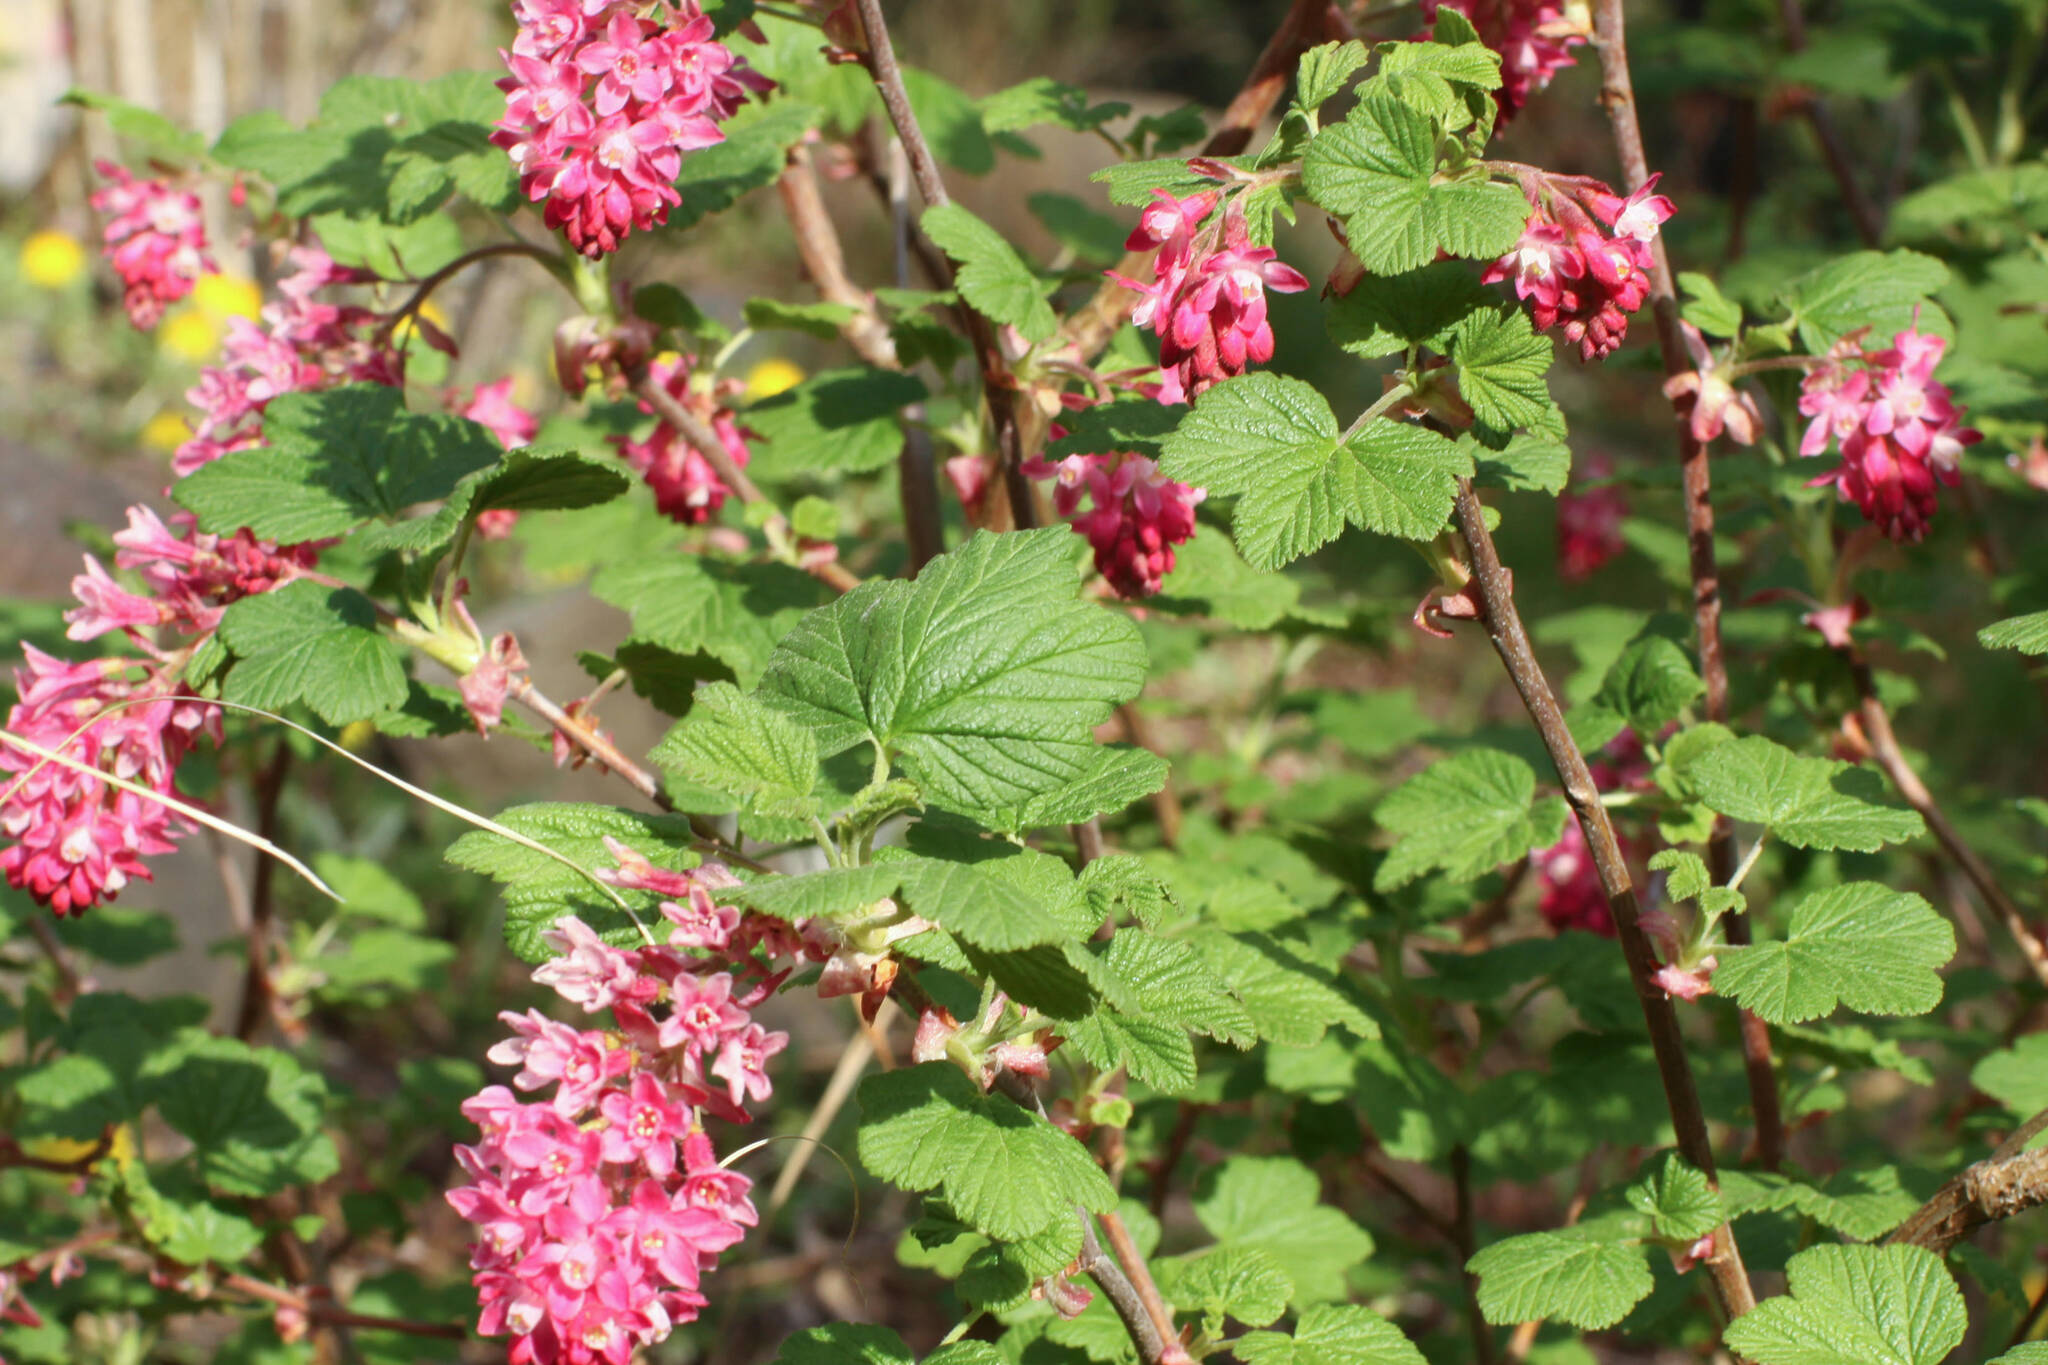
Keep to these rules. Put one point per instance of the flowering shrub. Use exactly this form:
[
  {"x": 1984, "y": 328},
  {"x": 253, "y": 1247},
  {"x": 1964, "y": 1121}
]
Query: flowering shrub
[{"x": 1641, "y": 955}]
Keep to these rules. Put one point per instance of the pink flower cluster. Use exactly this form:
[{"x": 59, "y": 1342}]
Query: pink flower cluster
[
  {"x": 1584, "y": 259},
  {"x": 685, "y": 486},
  {"x": 601, "y": 105},
  {"x": 1136, "y": 515},
  {"x": 1207, "y": 296},
  {"x": 1534, "y": 38},
  {"x": 599, "y": 1208},
  {"x": 303, "y": 344},
  {"x": 1899, "y": 429},
  {"x": 156, "y": 239},
  {"x": 79, "y": 839},
  {"x": 1589, "y": 523}
]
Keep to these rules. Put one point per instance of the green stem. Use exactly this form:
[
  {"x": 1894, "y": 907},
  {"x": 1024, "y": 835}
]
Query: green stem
[
  {"x": 1965, "y": 121},
  {"x": 1386, "y": 400}
]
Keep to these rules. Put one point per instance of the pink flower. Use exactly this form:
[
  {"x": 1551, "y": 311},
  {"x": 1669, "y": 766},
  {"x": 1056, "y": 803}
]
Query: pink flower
[
  {"x": 1572, "y": 272},
  {"x": 104, "y": 605},
  {"x": 156, "y": 239},
  {"x": 686, "y": 488},
  {"x": 491, "y": 405},
  {"x": 1534, "y": 38},
  {"x": 1137, "y": 516},
  {"x": 644, "y": 1123},
  {"x": 1589, "y": 524},
  {"x": 589, "y": 972},
  {"x": 1717, "y": 407},
  {"x": 699, "y": 921},
  {"x": 1572, "y": 897},
  {"x": 743, "y": 1059},
  {"x": 549, "y": 1052},
  {"x": 701, "y": 1013},
  {"x": 1898, "y": 428},
  {"x": 601, "y": 105}
]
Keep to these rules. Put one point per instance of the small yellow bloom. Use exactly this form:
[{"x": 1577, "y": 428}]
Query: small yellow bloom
[
  {"x": 122, "y": 1149},
  {"x": 51, "y": 259},
  {"x": 221, "y": 297},
  {"x": 772, "y": 376},
  {"x": 190, "y": 335},
  {"x": 166, "y": 431},
  {"x": 356, "y": 736},
  {"x": 431, "y": 311}
]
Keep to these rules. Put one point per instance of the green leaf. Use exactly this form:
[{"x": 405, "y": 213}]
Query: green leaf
[
  {"x": 408, "y": 251},
  {"x": 1117, "y": 775},
  {"x": 1588, "y": 1284},
  {"x": 370, "y": 890},
  {"x": 951, "y": 123},
  {"x": 1175, "y": 991},
  {"x": 1092, "y": 236},
  {"x": 1290, "y": 1001},
  {"x": 199, "y": 1232},
  {"x": 1863, "y": 945},
  {"x": 1272, "y": 443},
  {"x": 1466, "y": 814},
  {"x": 1707, "y": 308},
  {"x": 839, "y": 421},
  {"x": 1210, "y": 578},
  {"x": 158, "y": 138},
  {"x": 757, "y": 141},
  {"x": 1384, "y": 314},
  {"x": 1273, "y": 1204},
  {"x": 1856, "y": 1306},
  {"x": 310, "y": 643},
  {"x": 539, "y": 890},
  {"x": 1678, "y": 1199},
  {"x": 1325, "y": 71},
  {"x": 253, "y": 1115},
  {"x": 384, "y": 147},
  {"x": 1878, "y": 290},
  {"x": 1131, "y": 182},
  {"x": 2016, "y": 1076},
  {"x": 1043, "y": 100},
  {"x": 734, "y": 612},
  {"x": 2028, "y": 1353},
  {"x": 1331, "y": 1334},
  {"x": 986, "y": 675},
  {"x": 2028, "y": 634},
  {"x": 993, "y": 278},
  {"x": 1807, "y": 802},
  {"x": 1651, "y": 684},
  {"x": 821, "y": 320},
  {"x": 334, "y": 460},
  {"x": 736, "y": 746},
  {"x": 1466, "y": 63},
  {"x": 1528, "y": 463},
  {"x": 1004, "y": 1171},
  {"x": 1864, "y": 1204},
  {"x": 1501, "y": 367},
  {"x": 1246, "y": 1283},
  {"x": 844, "y": 1343},
  {"x": 1136, "y": 425},
  {"x": 1687, "y": 874},
  {"x": 1378, "y": 171}
]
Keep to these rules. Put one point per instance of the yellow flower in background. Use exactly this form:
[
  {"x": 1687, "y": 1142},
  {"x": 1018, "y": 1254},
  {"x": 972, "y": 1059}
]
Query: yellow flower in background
[
  {"x": 356, "y": 735},
  {"x": 429, "y": 310},
  {"x": 772, "y": 376},
  {"x": 122, "y": 1149},
  {"x": 166, "y": 431},
  {"x": 190, "y": 334},
  {"x": 51, "y": 259},
  {"x": 221, "y": 297}
]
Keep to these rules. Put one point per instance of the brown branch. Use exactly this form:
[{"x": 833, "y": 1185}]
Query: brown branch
[
  {"x": 998, "y": 384},
  {"x": 1160, "y": 1171},
  {"x": 1884, "y": 747},
  {"x": 332, "y": 1316},
  {"x": 427, "y": 286},
  {"x": 1494, "y": 594},
  {"x": 1618, "y": 94},
  {"x": 2007, "y": 1183},
  {"x": 1483, "y": 1345},
  {"x": 1132, "y": 1263},
  {"x": 1124, "y": 1298},
  {"x": 68, "y": 979},
  {"x": 259, "y": 996},
  {"x": 1863, "y": 213},
  {"x": 12, "y": 1155},
  {"x": 705, "y": 442}
]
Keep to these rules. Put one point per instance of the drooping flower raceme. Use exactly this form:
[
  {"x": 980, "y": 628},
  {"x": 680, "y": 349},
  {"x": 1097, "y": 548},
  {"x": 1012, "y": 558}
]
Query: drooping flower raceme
[
  {"x": 1135, "y": 516},
  {"x": 1534, "y": 38},
  {"x": 686, "y": 488},
  {"x": 601, "y": 104},
  {"x": 1589, "y": 522},
  {"x": 1584, "y": 260},
  {"x": 1899, "y": 429},
  {"x": 599, "y": 1207},
  {"x": 1207, "y": 296},
  {"x": 155, "y": 238}
]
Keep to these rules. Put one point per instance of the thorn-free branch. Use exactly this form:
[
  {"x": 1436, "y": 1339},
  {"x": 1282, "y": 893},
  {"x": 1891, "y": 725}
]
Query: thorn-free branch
[
  {"x": 1494, "y": 593},
  {"x": 1618, "y": 94}
]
